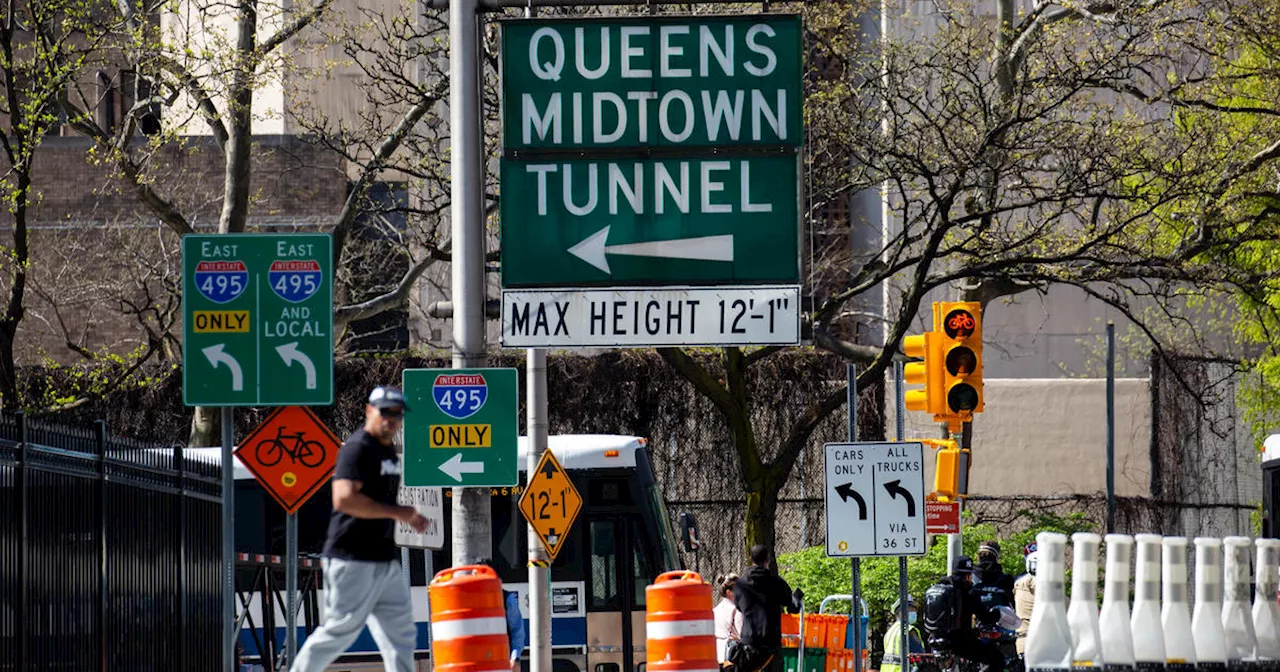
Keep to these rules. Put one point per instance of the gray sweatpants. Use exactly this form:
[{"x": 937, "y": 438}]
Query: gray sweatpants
[{"x": 356, "y": 592}]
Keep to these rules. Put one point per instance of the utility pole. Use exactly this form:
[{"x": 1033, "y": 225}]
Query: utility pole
[{"x": 471, "y": 506}]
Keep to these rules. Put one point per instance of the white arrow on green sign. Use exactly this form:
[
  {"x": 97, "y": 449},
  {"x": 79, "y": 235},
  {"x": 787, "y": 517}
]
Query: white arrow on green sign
[{"x": 461, "y": 427}]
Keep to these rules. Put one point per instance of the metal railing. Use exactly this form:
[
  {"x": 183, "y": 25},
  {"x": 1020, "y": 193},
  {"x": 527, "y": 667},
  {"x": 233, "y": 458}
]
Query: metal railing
[{"x": 109, "y": 552}]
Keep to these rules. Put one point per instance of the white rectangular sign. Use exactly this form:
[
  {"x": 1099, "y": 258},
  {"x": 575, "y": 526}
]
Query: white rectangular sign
[
  {"x": 875, "y": 499},
  {"x": 650, "y": 317},
  {"x": 430, "y": 503}
]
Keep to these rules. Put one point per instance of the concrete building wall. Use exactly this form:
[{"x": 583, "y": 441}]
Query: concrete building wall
[{"x": 1048, "y": 437}]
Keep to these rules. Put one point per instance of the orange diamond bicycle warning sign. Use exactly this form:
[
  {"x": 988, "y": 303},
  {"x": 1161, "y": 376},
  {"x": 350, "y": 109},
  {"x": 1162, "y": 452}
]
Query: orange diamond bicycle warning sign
[{"x": 291, "y": 454}]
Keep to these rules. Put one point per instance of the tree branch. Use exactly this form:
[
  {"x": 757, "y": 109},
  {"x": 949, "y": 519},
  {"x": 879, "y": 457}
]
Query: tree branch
[
  {"x": 351, "y": 208},
  {"x": 366, "y": 309},
  {"x": 165, "y": 210},
  {"x": 293, "y": 28},
  {"x": 203, "y": 100},
  {"x": 702, "y": 380},
  {"x": 803, "y": 428}
]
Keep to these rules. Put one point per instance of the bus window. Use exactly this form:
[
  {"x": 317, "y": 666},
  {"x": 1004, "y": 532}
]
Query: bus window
[
  {"x": 608, "y": 492},
  {"x": 604, "y": 566},
  {"x": 666, "y": 540},
  {"x": 642, "y": 573}
]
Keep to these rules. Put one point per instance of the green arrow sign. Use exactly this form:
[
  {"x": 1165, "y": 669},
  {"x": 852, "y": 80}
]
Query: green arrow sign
[
  {"x": 257, "y": 326},
  {"x": 461, "y": 428},
  {"x": 613, "y": 222}
]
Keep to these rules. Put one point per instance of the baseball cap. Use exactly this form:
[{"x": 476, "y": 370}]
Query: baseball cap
[
  {"x": 964, "y": 565},
  {"x": 388, "y": 397}
]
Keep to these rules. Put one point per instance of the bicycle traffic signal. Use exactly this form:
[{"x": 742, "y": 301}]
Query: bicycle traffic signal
[{"x": 958, "y": 328}]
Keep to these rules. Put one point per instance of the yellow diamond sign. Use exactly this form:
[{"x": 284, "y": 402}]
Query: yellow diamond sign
[{"x": 550, "y": 503}]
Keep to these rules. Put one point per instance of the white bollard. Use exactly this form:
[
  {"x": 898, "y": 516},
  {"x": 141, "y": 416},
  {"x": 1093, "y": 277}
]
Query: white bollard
[
  {"x": 1266, "y": 612},
  {"x": 1237, "y": 621},
  {"x": 1049, "y": 635},
  {"x": 1082, "y": 612},
  {"x": 1144, "y": 625},
  {"x": 1113, "y": 621},
  {"x": 1206, "y": 618},
  {"x": 1175, "y": 613}
]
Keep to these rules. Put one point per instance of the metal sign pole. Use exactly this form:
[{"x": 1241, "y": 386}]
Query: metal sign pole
[
  {"x": 900, "y": 413},
  {"x": 228, "y": 542},
  {"x": 855, "y": 564},
  {"x": 472, "y": 512},
  {"x": 291, "y": 587},
  {"x": 539, "y": 563}
]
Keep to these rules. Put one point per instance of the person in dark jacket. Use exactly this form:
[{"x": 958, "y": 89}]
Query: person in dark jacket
[
  {"x": 964, "y": 642},
  {"x": 761, "y": 595},
  {"x": 990, "y": 581}
]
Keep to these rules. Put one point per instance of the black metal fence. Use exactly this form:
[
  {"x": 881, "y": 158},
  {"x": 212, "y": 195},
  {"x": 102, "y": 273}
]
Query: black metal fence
[{"x": 109, "y": 553}]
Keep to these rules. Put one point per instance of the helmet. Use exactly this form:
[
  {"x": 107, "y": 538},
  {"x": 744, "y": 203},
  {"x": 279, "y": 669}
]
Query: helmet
[
  {"x": 1031, "y": 557},
  {"x": 911, "y": 603}
]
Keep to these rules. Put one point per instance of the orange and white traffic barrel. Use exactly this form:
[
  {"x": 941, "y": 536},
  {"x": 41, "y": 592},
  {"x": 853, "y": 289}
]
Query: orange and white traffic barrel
[
  {"x": 680, "y": 626},
  {"x": 468, "y": 621}
]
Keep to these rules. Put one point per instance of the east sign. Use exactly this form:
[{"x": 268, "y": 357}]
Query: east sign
[{"x": 651, "y": 151}]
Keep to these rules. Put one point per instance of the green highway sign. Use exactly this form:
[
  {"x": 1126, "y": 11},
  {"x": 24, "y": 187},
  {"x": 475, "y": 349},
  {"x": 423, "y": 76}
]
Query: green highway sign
[
  {"x": 257, "y": 319},
  {"x": 461, "y": 428},
  {"x": 679, "y": 81},
  {"x": 651, "y": 151},
  {"x": 670, "y": 221}
]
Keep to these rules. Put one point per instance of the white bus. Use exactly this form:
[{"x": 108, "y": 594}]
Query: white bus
[{"x": 621, "y": 540}]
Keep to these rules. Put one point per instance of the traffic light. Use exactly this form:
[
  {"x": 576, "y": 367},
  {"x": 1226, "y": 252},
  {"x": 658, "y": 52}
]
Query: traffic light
[
  {"x": 928, "y": 373},
  {"x": 946, "y": 473},
  {"x": 958, "y": 331}
]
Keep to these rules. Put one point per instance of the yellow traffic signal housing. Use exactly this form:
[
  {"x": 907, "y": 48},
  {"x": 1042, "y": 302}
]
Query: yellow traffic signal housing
[
  {"x": 958, "y": 331},
  {"x": 946, "y": 473},
  {"x": 928, "y": 373}
]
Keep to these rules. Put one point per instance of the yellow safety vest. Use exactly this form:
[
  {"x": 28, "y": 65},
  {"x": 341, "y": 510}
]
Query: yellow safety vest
[{"x": 892, "y": 661}]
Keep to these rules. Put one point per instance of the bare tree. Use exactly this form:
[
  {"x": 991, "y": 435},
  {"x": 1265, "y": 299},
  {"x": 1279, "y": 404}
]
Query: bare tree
[
  {"x": 1009, "y": 165},
  {"x": 196, "y": 73}
]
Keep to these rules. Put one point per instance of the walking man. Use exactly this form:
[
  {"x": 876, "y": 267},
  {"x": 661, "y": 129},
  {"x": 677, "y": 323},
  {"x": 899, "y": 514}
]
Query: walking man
[
  {"x": 362, "y": 577},
  {"x": 761, "y": 595}
]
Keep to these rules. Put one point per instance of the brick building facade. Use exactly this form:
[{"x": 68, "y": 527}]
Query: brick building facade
[{"x": 100, "y": 259}]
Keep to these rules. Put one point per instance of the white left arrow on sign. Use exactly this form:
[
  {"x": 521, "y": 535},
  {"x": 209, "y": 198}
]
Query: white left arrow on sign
[
  {"x": 704, "y": 248},
  {"x": 455, "y": 467},
  {"x": 216, "y": 355},
  {"x": 290, "y": 353}
]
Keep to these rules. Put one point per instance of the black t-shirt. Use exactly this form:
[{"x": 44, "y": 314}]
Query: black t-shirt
[
  {"x": 761, "y": 595},
  {"x": 377, "y": 467}
]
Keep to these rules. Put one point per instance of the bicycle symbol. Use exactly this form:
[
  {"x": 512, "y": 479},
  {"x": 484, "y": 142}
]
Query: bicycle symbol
[
  {"x": 270, "y": 451},
  {"x": 961, "y": 321}
]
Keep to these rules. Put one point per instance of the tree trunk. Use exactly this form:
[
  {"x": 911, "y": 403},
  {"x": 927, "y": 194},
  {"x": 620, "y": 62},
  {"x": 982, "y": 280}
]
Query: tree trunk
[
  {"x": 762, "y": 516},
  {"x": 206, "y": 427},
  {"x": 9, "y": 400}
]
